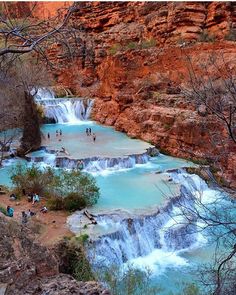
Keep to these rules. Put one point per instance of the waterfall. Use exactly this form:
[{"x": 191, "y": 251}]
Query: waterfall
[
  {"x": 63, "y": 110},
  {"x": 102, "y": 164},
  {"x": 142, "y": 239},
  {"x": 140, "y": 236}
]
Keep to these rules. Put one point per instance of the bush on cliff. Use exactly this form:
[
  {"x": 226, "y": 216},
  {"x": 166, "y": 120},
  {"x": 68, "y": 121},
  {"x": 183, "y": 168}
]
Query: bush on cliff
[
  {"x": 73, "y": 260},
  {"x": 69, "y": 190}
]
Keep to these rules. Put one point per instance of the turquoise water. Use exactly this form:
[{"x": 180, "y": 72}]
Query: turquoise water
[
  {"x": 139, "y": 188},
  {"x": 108, "y": 141}
]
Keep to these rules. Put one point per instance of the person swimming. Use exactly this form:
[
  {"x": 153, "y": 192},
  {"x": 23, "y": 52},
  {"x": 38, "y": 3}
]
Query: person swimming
[{"x": 94, "y": 137}]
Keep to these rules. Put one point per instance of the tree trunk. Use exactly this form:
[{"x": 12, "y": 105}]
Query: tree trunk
[{"x": 31, "y": 138}]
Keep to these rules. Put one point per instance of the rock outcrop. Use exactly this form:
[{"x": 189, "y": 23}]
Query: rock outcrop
[{"x": 29, "y": 268}]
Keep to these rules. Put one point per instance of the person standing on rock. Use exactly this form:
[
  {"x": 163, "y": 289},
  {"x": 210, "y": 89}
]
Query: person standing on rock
[{"x": 48, "y": 135}]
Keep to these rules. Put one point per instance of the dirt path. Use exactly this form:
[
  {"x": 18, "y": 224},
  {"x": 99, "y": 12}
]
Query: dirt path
[{"x": 49, "y": 227}]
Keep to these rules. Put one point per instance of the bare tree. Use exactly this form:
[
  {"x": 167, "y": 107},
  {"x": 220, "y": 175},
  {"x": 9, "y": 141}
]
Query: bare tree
[
  {"x": 213, "y": 85},
  {"x": 215, "y": 219},
  {"x": 23, "y": 36},
  {"x": 7, "y": 138}
]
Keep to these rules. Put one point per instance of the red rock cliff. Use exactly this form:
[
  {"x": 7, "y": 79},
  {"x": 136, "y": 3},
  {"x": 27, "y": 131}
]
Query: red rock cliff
[{"x": 131, "y": 57}]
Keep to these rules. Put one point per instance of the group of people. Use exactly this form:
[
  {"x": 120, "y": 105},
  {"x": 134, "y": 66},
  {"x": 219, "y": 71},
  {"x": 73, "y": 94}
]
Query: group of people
[
  {"x": 33, "y": 198},
  {"x": 58, "y": 133},
  {"x": 89, "y": 133}
]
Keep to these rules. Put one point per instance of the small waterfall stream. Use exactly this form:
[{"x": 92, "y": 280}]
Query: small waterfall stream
[
  {"x": 101, "y": 164},
  {"x": 63, "y": 110}
]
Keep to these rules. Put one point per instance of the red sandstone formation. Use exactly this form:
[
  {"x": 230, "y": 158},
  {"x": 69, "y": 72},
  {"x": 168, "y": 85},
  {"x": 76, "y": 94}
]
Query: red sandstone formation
[{"x": 41, "y": 10}]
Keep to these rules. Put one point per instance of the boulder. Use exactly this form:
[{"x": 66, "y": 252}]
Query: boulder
[{"x": 153, "y": 151}]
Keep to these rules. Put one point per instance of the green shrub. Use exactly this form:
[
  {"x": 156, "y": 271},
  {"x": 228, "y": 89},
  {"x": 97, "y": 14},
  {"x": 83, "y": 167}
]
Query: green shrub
[
  {"x": 148, "y": 43},
  {"x": 131, "y": 45},
  {"x": 82, "y": 239},
  {"x": 69, "y": 190},
  {"x": 73, "y": 260},
  {"x": 3, "y": 210},
  {"x": 55, "y": 203},
  {"x": 33, "y": 179},
  {"x": 74, "y": 202},
  {"x": 167, "y": 126},
  {"x": 231, "y": 36},
  {"x": 115, "y": 48},
  {"x": 128, "y": 281},
  {"x": 206, "y": 37},
  {"x": 75, "y": 181}
]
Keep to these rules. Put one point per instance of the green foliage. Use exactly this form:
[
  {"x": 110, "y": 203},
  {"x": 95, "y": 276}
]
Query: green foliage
[
  {"x": 114, "y": 49},
  {"x": 82, "y": 239},
  {"x": 130, "y": 281},
  {"x": 148, "y": 43},
  {"x": 206, "y": 37},
  {"x": 33, "y": 179},
  {"x": 167, "y": 126},
  {"x": 3, "y": 210},
  {"x": 231, "y": 36},
  {"x": 55, "y": 203},
  {"x": 80, "y": 183},
  {"x": 74, "y": 202},
  {"x": 191, "y": 289},
  {"x": 131, "y": 45},
  {"x": 69, "y": 190},
  {"x": 144, "y": 44},
  {"x": 40, "y": 111},
  {"x": 73, "y": 259}
]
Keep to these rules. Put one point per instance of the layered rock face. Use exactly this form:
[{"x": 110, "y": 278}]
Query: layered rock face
[
  {"x": 28, "y": 268},
  {"x": 41, "y": 10},
  {"x": 133, "y": 58}
]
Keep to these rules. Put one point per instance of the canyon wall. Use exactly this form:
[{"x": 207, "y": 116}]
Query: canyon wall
[
  {"x": 133, "y": 58},
  {"x": 34, "y": 9}
]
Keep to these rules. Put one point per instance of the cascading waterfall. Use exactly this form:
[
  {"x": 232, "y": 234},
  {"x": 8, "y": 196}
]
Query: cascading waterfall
[
  {"x": 133, "y": 238},
  {"x": 63, "y": 110},
  {"x": 100, "y": 164}
]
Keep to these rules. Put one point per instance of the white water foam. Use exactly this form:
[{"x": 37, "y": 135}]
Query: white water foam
[
  {"x": 158, "y": 261},
  {"x": 63, "y": 110}
]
